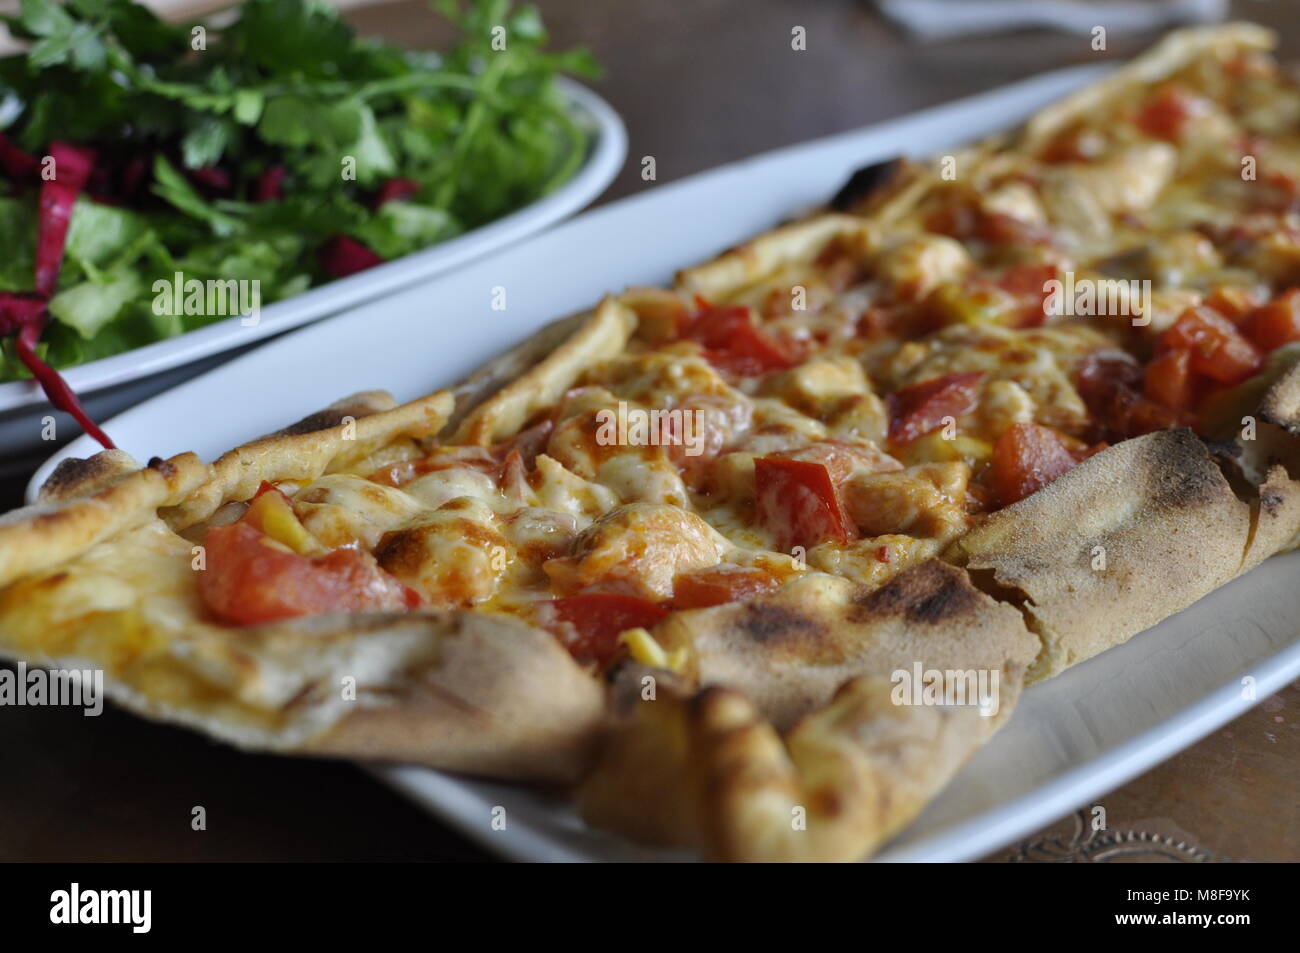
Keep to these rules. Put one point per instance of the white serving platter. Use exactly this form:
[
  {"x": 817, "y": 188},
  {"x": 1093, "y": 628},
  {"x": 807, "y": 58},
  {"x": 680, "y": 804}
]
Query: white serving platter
[
  {"x": 1072, "y": 739},
  {"x": 110, "y": 384}
]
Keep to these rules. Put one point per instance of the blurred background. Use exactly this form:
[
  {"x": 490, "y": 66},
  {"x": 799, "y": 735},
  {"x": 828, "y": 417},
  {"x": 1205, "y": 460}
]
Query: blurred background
[{"x": 698, "y": 83}]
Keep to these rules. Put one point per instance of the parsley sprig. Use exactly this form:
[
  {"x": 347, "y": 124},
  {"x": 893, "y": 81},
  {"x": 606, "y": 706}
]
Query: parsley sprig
[{"x": 242, "y": 149}]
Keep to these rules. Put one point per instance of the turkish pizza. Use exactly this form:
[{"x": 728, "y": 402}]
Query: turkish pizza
[{"x": 992, "y": 413}]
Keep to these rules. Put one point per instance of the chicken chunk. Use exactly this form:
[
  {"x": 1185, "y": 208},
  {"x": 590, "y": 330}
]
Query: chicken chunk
[
  {"x": 638, "y": 549},
  {"x": 453, "y": 557},
  {"x": 926, "y": 500}
]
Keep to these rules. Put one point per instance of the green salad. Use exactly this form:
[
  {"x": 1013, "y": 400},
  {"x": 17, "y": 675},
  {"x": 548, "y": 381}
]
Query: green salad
[{"x": 275, "y": 147}]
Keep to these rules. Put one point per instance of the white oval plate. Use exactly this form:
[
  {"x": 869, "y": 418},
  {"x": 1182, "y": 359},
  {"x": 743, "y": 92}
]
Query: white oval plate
[
  {"x": 1073, "y": 738},
  {"x": 21, "y": 432}
]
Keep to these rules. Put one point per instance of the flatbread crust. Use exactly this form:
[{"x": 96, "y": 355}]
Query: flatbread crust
[
  {"x": 1173, "y": 52},
  {"x": 100, "y": 578},
  {"x": 455, "y": 690},
  {"x": 88, "y": 501},
  {"x": 348, "y": 430},
  {"x": 1131, "y": 536},
  {"x": 601, "y": 335},
  {"x": 713, "y": 769},
  {"x": 747, "y": 263},
  {"x": 790, "y": 650}
]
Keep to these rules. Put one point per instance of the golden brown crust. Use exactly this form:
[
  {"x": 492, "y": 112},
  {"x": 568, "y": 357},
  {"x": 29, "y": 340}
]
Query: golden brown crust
[
  {"x": 761, "y": 256},
  {"x": 88, "y": 502},
  {"x": 471, "y": 392},
  {"x": 455, "y": 690},
  {"x": 1281, "y": 401},
  {"x": 1276, "y": 517},
  {"x": 78, "y": 476},
  {"x": 1174, "y": 51},
  {"x": 848, "y": 777},
  {"x": 711, "y": 772},
  {"x": 302, "y": 454},
  {"x": 494, "y": 697},
  {"x": 354, "y": 406},
  {"x": 603, "y": 334},
  {"x": 1127, "y": 538},
  {"x": 823, "y": 661},
  {"x": 790, "y": 650}
]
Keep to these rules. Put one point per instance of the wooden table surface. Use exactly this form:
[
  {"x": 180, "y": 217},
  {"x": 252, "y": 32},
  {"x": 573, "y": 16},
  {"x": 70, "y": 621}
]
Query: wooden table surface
[{"x": 698, "y": 83}]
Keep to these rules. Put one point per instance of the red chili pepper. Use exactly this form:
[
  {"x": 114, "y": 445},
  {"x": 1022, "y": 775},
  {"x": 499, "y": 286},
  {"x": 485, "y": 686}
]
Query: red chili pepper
[
  {"x": 341, "y": 256},
  {"x": 17, "y": 310},
  {"x": 26, "y": 315}
]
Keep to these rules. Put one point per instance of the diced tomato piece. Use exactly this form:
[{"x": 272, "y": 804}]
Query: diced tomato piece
[
  {"x": 1234, "y": 303},
  {"x": 248, "y": 581},
  {"x": 720, "y": 584},
  {"x": 1219, "y": 351},
  {"x": 1026, "y": 458},
  {"x": 1027, "y": 279},
  {"x": 1167, "y": 112},
  {"x": 797, "y": 501},
  {"x": 1028, "y": 283},
  {"x": 734, "y": 343},
  {"x": 1112, "y": 387},
  {"x": 1168, "y": 379},
  {"x": 267, "y": 486},
  {"x": 840, "y": 459},
  {"x": 915, "y": 411},
  {"x": 1276, "y": 323},
  {"x": 597, "y": 620},
  {"x": 712, "y": 325}
]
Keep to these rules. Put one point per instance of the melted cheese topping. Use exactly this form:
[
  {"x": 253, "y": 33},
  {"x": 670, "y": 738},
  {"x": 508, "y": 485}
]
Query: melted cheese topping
[{"x": 812, "y": 372}]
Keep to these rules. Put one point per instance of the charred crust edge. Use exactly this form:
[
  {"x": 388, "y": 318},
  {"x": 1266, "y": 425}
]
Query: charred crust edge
[
  {"x": 932, "y": 593},
  {"x": 76, "y": 476},
  {"x": 866, "y": 182}
]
